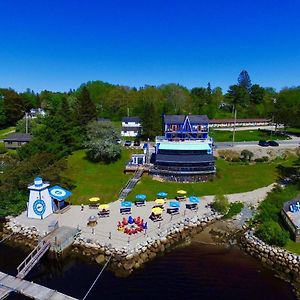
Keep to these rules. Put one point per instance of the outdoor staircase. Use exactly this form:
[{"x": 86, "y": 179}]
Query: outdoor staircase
[
  {"x": 32, "y": 259},
  {"x": 131, "y": 183}
]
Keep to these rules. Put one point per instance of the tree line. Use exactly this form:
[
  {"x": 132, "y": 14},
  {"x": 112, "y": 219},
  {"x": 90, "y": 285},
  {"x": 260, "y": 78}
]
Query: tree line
[{"x": 151, "y": 102}]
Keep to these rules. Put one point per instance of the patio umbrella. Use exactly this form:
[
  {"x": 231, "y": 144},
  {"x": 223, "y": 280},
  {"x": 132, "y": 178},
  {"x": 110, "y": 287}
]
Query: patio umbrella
[
  {"x": 157, "y": 210},
  {"x": 140, "y": 197},
  {"x": 174, "y": 204},
  {"x": 194, "y": 199},
  {"x": 126, "y": 204},
  {"x": 162, "y": 195},
  {"x": 103, "y": 207},
  {"x": 181, "y": 192},
  {"x": 94, "y": 199},
  {"x": 160, "y": 201}
]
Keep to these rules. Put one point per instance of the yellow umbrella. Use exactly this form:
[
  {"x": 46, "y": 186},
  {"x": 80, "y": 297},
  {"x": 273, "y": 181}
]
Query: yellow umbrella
[
  {"x": 160, "y": 201},
  {"x": 103, "y": 206},
  {"x": 157, "y": 210},
  {"x": 94, "y": 199},
  {"x": 181, "y": 192}
]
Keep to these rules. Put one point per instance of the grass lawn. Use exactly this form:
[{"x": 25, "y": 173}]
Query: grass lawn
[
  {"x": 293, "y": 130},
  {"x": 242, "y": 135},
  {"x": 231, "y": 178},
  {"x": 96, "y": 179},
  {"x": 105, "y": 181},
  {"x": 293, "y": 247},
  {"x": 4, "y": 132}
]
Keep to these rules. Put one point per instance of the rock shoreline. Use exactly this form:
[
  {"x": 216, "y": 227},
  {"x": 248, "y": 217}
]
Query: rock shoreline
[
  {"x": 124, "y": 260},
  {"x": 275, "y": 257}
]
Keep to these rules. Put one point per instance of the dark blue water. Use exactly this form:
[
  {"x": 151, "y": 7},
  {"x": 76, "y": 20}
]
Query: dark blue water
[{"x": 193, "y": 272}]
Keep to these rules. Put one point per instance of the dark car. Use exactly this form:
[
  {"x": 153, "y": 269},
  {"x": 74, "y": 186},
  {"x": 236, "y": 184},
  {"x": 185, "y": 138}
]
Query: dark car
[
  {"x": 136, "y": 143},
  {"x": 127, "y": 143},
  {"x": 263, "y": 143},
  {"x": 273, "y": 143}
]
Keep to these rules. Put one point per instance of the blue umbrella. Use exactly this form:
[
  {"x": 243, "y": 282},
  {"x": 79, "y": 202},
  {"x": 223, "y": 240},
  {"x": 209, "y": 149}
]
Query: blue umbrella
[
  {"x": 194, "y": 199},
  {"x": 140, "y": 197},
  {"x": 126, "y": 204},
  {"x": 174, "y": 204},
  {"x": 162, "y": 194}
]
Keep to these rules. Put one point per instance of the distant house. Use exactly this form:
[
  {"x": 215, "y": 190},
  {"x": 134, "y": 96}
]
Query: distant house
[
  {"x": 35, "y": 112},
  {"x": 16, "y": 140},
  {"x": 239, "y": 122},
  {"x": 131, "y": 126},
  {"x": 103, "y": 120}
]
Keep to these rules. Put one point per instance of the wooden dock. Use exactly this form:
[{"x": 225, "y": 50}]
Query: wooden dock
[{"x": 29, "y": 289}]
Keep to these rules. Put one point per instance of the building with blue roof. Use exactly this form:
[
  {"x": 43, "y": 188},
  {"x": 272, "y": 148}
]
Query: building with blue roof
[{"x": 185, "y": 150}]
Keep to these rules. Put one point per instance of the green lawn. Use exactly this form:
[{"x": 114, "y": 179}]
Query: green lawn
[
  {"x": 105, "y": 181},
  {"x": 242, "y": 136},
  {"x": 96, "y": 179},
  {"x": 231, "y": 178},
  {"x": 4, "y": 132},
  {"x": 293, "y": 130},
  {"x": 293, "y": 247}
]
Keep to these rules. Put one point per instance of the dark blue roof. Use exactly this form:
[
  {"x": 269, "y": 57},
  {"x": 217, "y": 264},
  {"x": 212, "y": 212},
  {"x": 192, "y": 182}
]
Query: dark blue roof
[
  {"x": 179, "y": 119},
  {"x": 131, "y": 119},
  {"x": 184, "y": 158}
]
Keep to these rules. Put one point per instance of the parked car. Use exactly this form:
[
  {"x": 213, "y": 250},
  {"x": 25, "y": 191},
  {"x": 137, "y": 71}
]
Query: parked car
[
  {"x": 127, "y": 144},
  {"x": 263, "y": 143},
  {"x": 273, "y": 143},
  {"x": 136, "y": 143}
]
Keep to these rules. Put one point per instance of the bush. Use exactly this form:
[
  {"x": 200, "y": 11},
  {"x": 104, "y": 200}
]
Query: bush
[
  {"x": 221, "y": 204},
  {"x": 259, "y": 160},
  {"x": 2, "y": 149},
  {"x": 271, "y": 233},
  {"x": 234, "y": 209},
  {"x": 235, "y": 159}
]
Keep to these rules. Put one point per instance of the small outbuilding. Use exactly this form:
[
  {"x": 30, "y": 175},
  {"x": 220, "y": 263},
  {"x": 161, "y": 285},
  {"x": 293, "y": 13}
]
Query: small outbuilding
[
  {"x": 291, "y": 216},
  {"x": 16, "y": 140}
]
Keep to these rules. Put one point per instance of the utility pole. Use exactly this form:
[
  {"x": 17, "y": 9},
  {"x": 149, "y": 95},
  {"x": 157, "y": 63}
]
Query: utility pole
[
  {"x": 127, "y": 111},
  {"x": 26, "y": 123},
  {"x": 233, "y": 135}
]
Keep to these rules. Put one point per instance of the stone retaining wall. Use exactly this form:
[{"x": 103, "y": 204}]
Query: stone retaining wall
[
  {"x": 126, "y": 260},
  {"x": 275, "y": 257},
  {"x": 123, "y": 259}
]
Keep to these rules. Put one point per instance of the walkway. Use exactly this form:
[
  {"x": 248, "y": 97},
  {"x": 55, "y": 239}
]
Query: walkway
[
  {"x": 131, "y": 183},
  {"x": 32, "y": 290}
]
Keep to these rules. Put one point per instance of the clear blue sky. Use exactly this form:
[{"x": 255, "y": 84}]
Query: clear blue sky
[{"x": 59, "y": 44}]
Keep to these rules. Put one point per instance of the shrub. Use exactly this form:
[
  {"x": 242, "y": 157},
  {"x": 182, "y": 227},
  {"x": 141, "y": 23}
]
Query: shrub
[
  {"x": 271, "y": 233},
  {"x": 235, "y": 159},
  {"x": 259, "y": 160},
  {"x": 234, "y": 209},
  {"x": 247, "y": 155},
  {"x": 221, "y": 204},
  {"x": 2, "y": 149}
]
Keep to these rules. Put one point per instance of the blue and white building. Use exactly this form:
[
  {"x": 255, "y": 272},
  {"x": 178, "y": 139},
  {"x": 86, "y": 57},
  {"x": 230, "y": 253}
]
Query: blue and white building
[
  {"x": 45, "y": 200},
  {"x": 185, "y": 149}
]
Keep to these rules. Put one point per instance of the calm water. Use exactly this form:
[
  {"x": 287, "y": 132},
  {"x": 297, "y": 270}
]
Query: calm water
[{"x": 193, "y": 272}]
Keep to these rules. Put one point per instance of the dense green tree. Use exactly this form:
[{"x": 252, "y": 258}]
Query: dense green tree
[
  {"x": 256, "y": 94},
  {"x": 244, "y": 80},
  {"x": 85, "y": 107},
  {"x": 13, "y": 105},
  {"x": 287, "y": 107},
  {"x": 101, "y": 144}
]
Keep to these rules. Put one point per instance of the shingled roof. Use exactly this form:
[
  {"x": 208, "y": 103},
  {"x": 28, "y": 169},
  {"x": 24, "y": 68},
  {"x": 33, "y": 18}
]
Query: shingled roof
[
  {"x": 18, "y": 137},
  {"x": 131, "y": 119},
  {"x": 179, "y": 119}
]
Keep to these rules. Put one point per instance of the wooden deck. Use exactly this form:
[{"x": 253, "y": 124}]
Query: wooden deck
[{"x": 32, "y": 290}]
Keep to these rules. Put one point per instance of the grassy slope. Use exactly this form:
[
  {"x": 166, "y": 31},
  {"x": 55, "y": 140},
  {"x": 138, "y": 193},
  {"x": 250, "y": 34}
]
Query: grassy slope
[
  {"x": 232, "y": 178},
  {"x": 241, "y": 136},
  {"x": 95, "y": 179},
  {"x": 4, "y": 132}
]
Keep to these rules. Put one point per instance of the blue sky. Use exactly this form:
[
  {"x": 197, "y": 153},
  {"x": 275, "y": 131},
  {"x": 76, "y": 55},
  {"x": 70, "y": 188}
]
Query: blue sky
[{"x": 59, "y": 44}]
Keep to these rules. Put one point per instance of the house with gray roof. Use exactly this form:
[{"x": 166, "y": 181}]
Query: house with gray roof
[
  {"x": 16, "y": 140},
  {"x": 131, "y": 126}
]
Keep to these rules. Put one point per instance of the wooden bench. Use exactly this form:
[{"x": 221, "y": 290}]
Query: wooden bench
[
  {"x": 125, "y": 210},
  {"x": 173, "y": 211},
  {"x": 191, "y": 206}
]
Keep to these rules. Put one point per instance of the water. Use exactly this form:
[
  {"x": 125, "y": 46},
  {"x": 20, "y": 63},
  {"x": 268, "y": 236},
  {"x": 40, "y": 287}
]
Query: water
[{"x": 194, "y": 272}]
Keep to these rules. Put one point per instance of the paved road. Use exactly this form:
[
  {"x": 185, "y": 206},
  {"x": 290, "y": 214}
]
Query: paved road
[{"x": 282, "y": 143}]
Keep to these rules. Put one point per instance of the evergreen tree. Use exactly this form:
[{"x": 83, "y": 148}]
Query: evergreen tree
[
  {"x": 85, "y": 107},
  {"x": 244, "y": 80}
]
